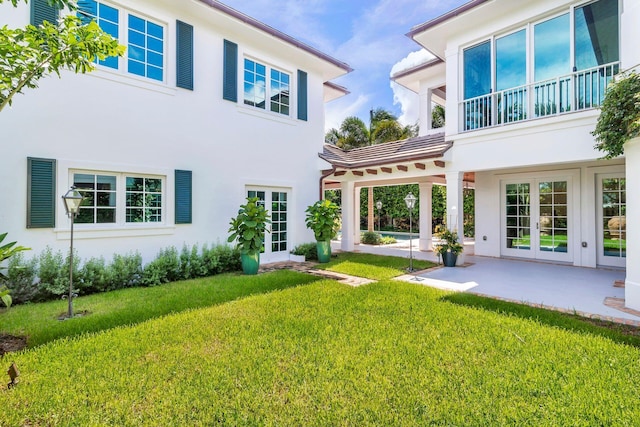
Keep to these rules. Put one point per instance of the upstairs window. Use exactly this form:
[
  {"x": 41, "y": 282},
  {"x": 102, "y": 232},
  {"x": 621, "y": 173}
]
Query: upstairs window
[
  {"x": 596, "y": 34},
  {"x": 477, "y": 70},
  {"x": 257, "y": 91},
  {"x": 145, "y": 40},
  {"x": 146, "y": 48},
  {"x": 107, "y": 18}
]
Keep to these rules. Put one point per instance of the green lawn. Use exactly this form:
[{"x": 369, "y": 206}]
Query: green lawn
[
  {"x": 371, "y": 266},
  {"x": 39, "y": 322},
  {"x": 389, "y": 353}
]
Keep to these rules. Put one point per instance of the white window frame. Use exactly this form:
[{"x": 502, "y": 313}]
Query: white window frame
[
  {"x": 121, "y": 190},
  {"x": 268, "y": 68},
  {"x": 123, "y": 39}
]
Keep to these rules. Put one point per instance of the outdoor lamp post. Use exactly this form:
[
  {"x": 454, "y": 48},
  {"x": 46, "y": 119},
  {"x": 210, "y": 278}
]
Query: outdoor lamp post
[
  {"x": 410, "y": 200},
  {"x": 72, "y": 200},
  {"x": 379, "y": 207}
]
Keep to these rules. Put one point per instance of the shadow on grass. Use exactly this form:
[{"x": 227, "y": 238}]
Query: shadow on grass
[{"x": 623, "y": 334}]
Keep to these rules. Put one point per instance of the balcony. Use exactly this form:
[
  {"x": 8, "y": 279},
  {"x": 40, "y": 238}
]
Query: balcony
[{"x": 582, "y": 90}]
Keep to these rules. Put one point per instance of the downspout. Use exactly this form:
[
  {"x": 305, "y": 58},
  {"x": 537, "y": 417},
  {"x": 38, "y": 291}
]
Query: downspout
[{"x": 322, "y": 177}]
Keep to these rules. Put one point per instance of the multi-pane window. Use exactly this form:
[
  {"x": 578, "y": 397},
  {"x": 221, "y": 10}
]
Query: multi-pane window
[
  {"x": 107, "y": 18},
  {"x": 146, "y": 48},
  {"x": 279, "y": 92},
  {"x": 257, "y": 91},
  {"x": 99, "y": 204},
  {"x": 144, "y": 39},
  {"x": 614, "y": 217},
  {"x": 255, "y": 86},
  {"x": 119, "y": 198},
  {"x": 143, "y": 199}
]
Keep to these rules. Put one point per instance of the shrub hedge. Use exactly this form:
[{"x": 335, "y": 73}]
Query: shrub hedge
[{"x": 46, "y": 276}]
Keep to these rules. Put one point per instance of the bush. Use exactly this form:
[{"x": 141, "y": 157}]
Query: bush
[
  {"x": 309, "y": 250},
  {"x": 46, "y": 276},
  {"x": 370, "y": 238},
  {"x": 387, "y": 240},
  {"x": 22, "y": 279}
]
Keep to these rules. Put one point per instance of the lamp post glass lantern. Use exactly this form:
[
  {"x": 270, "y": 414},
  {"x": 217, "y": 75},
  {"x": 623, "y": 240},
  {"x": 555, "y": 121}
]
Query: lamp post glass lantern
[
  {"x": 410, "y": 201},
  {"x": 72, "y": 201},
  {"x": 379, "y": 207}
]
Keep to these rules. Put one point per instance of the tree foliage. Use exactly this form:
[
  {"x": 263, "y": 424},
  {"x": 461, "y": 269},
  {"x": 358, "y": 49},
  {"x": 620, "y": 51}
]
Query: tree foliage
[
  {"x": 619, "y": 119},
  {"x": 383, "y": 127},
  {"x": 437, "y": 117},
  {"x": 31, "y": 53}
]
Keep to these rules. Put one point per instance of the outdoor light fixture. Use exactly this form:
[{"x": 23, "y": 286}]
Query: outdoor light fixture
[
  {"x": 410, "y": 200},
  {"x": 379, "y": 207},
  {"x": 72, "y": 200}
]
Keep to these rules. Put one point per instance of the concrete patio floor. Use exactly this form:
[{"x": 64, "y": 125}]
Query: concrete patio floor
[{"x": 563, "y": 287}]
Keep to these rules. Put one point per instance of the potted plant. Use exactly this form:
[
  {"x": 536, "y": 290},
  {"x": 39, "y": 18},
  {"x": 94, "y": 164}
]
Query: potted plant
[
  {"x": 248, "y": 230},
  {"x": 449, "y": 247},
  {"x": 619, "y": 120},
  {"x": 323, "y": 217}
]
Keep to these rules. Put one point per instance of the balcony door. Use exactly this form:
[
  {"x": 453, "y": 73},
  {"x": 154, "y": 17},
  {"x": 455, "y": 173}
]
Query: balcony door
[{"x": 536, "y": 219}]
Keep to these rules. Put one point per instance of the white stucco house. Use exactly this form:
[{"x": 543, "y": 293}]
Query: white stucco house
[
  {"x": 207, "y": 106},
  {"x": 521, "y": 82}
]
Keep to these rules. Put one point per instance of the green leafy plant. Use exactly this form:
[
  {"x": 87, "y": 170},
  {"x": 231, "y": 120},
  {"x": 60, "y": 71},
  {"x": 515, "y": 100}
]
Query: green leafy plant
[
  {"x": 371, "y": 238},
  {"x": 619, "y": 119},
  {"x": 309, "y": 250},
  {"x": 323, "y": 217},
  {"x": 448, "y": 242},
  {"x": 7, "y": 251},
  {"x": 249, "y": 227},
  {"x": 387, "y": 240}
]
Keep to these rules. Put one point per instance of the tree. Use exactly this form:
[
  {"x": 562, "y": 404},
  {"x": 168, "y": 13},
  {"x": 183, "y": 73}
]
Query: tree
[
  {"x": 437, "y": 117},
  {"x": 353, "y": 132},
  {"x": 31, "y": 53}
]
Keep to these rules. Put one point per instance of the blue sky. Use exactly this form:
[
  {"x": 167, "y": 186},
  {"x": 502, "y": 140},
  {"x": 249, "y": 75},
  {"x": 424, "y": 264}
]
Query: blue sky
[{"x": 368, "y": 35}]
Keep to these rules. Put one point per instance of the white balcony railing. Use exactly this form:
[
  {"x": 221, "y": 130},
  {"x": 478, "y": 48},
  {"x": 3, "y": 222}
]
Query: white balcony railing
[{"x": 578, "y": 91}]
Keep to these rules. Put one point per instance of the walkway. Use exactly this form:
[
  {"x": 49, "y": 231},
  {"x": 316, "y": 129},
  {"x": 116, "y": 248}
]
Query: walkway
[{"x": 564, "y": 288}]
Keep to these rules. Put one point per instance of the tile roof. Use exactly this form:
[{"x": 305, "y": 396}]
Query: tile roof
[{"x": 423, "y": 147}]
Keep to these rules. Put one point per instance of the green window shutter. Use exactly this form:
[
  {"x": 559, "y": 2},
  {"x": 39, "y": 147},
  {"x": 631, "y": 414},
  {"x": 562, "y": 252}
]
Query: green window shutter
[
  {"x": 302, "y": 95},
  {"x": 184, "y": 55},
  {"x": 41, "y": 188},
  {"x": 183, "y": 187},
  {"x": 41, "y": 10},
  {"x": 230, "y": 72}
]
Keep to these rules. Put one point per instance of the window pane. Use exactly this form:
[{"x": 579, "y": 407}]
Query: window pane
[
  {"x": 596, "y": 34},
  {"x": 552, "y": 48},
  {"x": 477, "y": 70},
  {"x": 511, "y": 60},
  {"x": 137, "y": 23}
]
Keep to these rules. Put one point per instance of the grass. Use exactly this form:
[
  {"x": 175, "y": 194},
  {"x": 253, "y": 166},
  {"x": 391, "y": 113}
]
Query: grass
[
  {"x": 389, "y": 353},
  {"x": 376, "y": 267},
  {"x": 39, "y": 322}
]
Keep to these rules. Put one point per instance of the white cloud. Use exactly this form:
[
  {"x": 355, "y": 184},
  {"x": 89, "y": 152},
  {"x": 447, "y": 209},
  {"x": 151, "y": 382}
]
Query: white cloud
[{"x": 408, "y": 100}]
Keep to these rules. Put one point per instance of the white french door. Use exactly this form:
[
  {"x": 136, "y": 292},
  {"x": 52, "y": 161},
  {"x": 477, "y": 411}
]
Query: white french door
[
  {"x": 536, "y": 218},
  {"x": 612, "y": 220},
  {"x": 276, "y": 243}
]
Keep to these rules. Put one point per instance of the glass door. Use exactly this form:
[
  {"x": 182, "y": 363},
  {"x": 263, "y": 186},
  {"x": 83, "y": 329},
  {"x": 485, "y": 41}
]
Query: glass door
[
  {"x": 612, "y": 220},
  {"x": 276, "y": 243},
  {"x": 536, "y": 219}
]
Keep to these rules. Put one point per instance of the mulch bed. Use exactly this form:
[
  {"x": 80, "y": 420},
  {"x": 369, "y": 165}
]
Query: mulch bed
[{"x": 9, "y": 343}]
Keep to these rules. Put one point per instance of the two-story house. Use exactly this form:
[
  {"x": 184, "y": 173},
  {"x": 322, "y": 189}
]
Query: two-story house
[
  {"x": 521, "y": 82},
  {"x": 207, "y": 106}
]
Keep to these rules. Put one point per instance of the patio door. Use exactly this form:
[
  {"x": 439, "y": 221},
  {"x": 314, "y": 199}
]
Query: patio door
[
  {"x": 536, "y": 219},
  {"x": 612, "y": 220},
  {"x": 276, "y": 243}
]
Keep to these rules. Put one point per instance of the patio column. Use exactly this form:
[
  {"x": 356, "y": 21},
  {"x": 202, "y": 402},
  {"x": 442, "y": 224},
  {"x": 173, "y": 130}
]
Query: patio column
[
  {"x": 348, "y": 215},
  {"x": 632, "y": 282},
  {"x": 426, "y": 216},
  {"x": 426, "y": 107},
  {"x": 356, "y": 207},
  {"x": 454, "y": 216}
]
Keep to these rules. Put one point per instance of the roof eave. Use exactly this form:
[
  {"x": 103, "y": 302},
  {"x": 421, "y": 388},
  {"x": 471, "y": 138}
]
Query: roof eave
[{"x": 420, "y": 28}]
